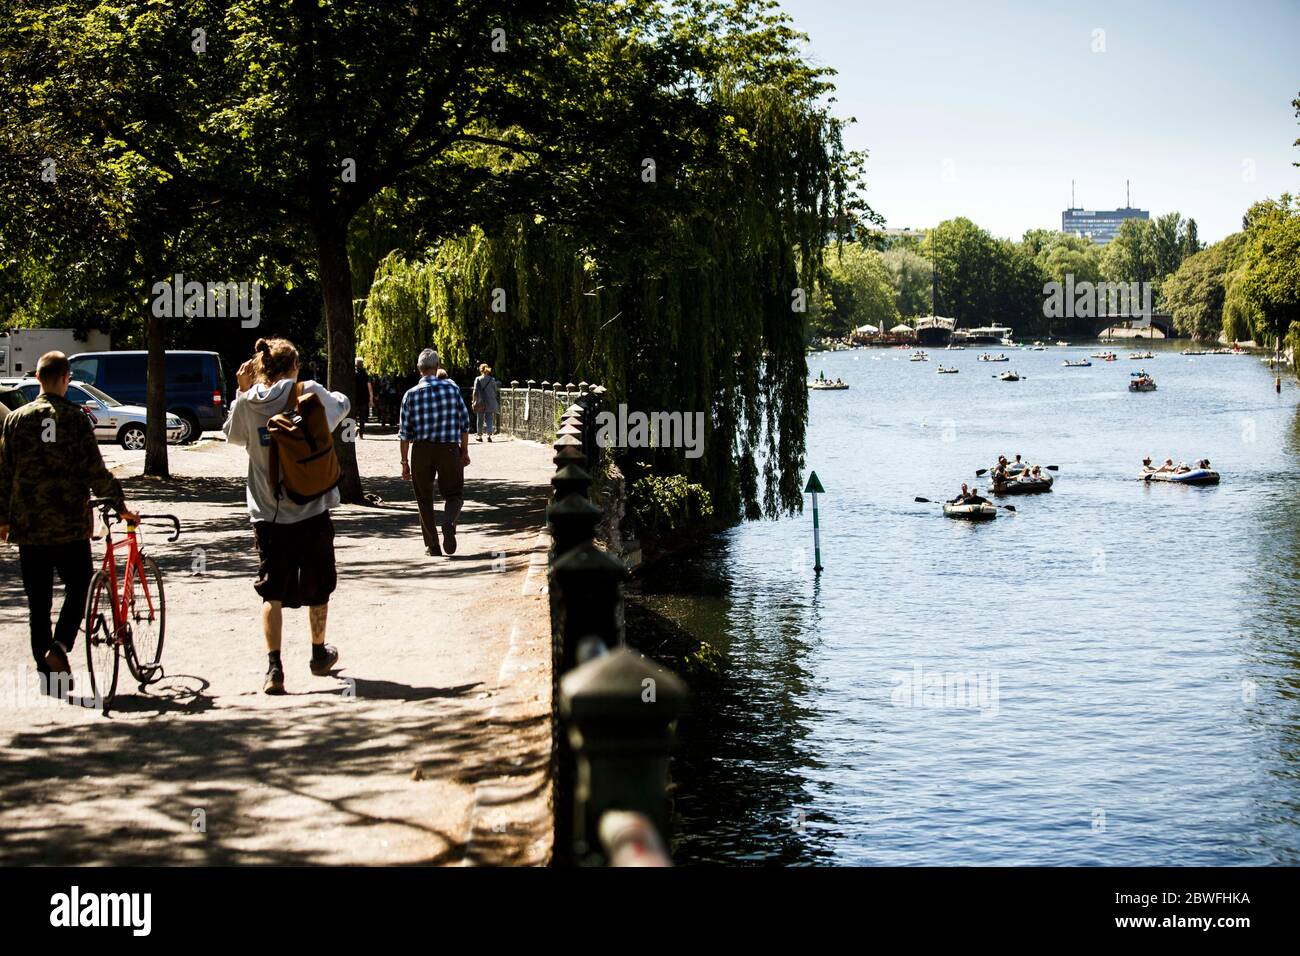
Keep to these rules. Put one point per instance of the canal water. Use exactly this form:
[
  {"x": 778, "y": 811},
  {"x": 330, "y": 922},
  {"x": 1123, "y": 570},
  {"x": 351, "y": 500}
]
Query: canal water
[{"x": 1110, "y": 676}]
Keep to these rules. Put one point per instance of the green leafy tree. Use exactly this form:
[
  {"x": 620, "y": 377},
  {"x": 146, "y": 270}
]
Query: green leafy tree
[
  {"x": 675, "y": 282},
  {"x": 910, "y": 277},
  {"x": 1266, "y": 286},
  {"x": 1195, "y": 293},
  {"x": 967, "y": 258},
  {"x": 858, "y": 292},
  {"x": 1296, "y": 103},
  {"x": 294, "y": 116},
  {"x": 644, "y": 186},
  {"x": 1131, "y": 255}
]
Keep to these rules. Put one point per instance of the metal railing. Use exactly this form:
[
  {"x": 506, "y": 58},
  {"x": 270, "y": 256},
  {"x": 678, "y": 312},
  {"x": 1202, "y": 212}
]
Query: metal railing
[
  {"x": 533, "y": 411},
  {"x": 615, "y": 711}
]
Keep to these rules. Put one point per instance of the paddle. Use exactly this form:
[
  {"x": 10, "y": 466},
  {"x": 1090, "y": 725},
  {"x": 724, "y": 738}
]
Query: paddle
[{"x": 927, "y": 501}]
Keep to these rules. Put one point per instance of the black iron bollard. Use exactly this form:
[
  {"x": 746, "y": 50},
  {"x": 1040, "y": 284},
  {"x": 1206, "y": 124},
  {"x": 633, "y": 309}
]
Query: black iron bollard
[
  {"x": 568, "y": 441},
  {"x": 571, "y": 480},
  {"x": 619, "y": 710},
  {"x": 588, "y": 585},
  {"x": 569, "y": 455},
  {"x": 573, "y": 521}
]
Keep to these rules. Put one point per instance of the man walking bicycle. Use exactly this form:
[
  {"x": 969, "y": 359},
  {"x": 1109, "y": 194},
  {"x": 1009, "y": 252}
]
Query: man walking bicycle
[
  {"x": 434, "y": 442},
  {"x": 49, "y": 464}
]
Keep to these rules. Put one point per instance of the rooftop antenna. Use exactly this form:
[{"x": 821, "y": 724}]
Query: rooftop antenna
[
  {"x": 1072, "y": 205},
  {"x": 1128, "y": 201}
]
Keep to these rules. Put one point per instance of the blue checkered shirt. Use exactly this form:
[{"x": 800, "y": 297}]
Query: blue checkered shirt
[{"x": 434, "y": 410}]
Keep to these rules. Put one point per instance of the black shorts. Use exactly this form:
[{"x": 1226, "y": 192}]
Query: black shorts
[{"x": 296, "y": 561}]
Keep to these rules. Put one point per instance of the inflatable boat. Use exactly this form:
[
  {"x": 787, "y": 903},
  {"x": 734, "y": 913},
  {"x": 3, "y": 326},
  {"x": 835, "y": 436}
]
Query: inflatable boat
[
  {"x": 1023, "y": 486},
  {"x": 983, "y": 512},
  {"x": 1197, "y": 476}
]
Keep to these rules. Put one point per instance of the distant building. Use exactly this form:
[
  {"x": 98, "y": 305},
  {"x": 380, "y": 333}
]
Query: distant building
[{"x": 1100, "y": 225}]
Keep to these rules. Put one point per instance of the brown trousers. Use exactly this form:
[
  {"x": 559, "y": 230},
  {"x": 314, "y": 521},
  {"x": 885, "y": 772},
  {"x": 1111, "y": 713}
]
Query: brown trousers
[{"x": 440, "y": 462}]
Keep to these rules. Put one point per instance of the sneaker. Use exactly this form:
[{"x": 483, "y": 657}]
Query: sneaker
[
  {"x": 434, "y": 552},
  {"x": 274, "y": 683},
  {"x": 320, "y": 666},
  {"x": 489, "y": 437},
  {"x": 56, "y": 659},
  {"x": 479, "y": 438},
  {"x": 449, "y": 539}
]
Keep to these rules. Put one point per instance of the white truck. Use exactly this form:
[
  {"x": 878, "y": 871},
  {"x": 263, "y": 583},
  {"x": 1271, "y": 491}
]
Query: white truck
[{"x": 21, "y": 349}]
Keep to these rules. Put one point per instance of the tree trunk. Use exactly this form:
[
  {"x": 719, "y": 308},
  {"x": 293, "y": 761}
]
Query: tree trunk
[
  {"x": 155, "y": 429},
  {"x": 340, "y": 335}
]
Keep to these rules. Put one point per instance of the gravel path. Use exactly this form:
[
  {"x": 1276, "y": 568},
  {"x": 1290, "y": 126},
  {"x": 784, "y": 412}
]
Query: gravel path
[{"x": 428, "y": 745}]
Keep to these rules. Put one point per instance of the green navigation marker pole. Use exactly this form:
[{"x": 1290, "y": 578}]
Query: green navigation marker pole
[{"x": 815, "y": 488}]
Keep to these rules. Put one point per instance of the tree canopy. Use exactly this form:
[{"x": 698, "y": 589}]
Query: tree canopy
[{"x": 628, "y": 192}]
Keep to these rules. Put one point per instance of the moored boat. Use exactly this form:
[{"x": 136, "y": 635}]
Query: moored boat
[
  {"x": 1008, "y": 377},
  {"x": 1082, "y": 363},
  {"x": 948, "y": 371},
  {"x": 934, "y": 330}
]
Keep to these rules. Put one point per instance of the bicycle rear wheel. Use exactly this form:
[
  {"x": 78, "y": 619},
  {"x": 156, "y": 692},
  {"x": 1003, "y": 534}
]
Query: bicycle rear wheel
[
  {"x": 102, "y": 655},
  {"x": 146, "y": 615}
]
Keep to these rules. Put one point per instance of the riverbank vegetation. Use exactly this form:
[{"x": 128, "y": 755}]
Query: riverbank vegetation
[{"x": 880, "y": 281}]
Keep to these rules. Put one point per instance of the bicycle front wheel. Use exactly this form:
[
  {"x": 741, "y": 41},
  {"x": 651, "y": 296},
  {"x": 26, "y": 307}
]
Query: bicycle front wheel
[
  {"x": 101, "y": 644},
  {"x": 146, "y": 614}
]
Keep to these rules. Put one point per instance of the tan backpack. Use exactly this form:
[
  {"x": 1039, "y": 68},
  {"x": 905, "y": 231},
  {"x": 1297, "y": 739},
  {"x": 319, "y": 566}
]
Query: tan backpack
[{"x": 303, "y": 461}]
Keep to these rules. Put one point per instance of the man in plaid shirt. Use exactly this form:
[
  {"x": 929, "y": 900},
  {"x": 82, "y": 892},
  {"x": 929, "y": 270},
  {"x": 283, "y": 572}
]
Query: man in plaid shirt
[{"x": 434, "y": 431}]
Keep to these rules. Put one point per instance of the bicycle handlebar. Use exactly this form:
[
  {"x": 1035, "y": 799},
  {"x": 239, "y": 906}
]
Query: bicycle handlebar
[{"x": 105, "y": 506}]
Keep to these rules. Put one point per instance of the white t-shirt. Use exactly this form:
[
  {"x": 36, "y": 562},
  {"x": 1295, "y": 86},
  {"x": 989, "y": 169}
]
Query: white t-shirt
[{"x": 246, "y": 427}]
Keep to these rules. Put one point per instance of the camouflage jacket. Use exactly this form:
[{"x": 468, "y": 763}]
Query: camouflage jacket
[{"x": 49, "y": 462}]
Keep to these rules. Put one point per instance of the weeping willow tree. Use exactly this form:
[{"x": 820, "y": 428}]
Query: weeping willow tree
[{"x": 675, "y": 257}]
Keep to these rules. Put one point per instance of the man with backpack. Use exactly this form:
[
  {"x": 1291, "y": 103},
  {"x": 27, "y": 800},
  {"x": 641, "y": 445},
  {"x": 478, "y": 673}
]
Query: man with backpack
[{"x": 293, "y": 472}]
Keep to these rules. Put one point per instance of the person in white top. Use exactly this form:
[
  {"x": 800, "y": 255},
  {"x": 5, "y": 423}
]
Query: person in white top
[{"x": 295, "y": 542}]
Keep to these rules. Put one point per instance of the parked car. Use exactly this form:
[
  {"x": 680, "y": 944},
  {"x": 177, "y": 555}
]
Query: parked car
[
  {"x": 195, "y": 384},
  {"x": 111, "y": 420},
  {"x": 11, "y": 399}
]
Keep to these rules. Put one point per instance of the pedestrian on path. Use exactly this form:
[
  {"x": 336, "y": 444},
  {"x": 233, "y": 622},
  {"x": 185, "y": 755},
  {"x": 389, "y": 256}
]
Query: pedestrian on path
[
  {"x": 434, "y": 445},
  {"x": 364, "y": 395},
  {"x": 49, "y": 464},
  {"x": 386, "y": 399},
  {"x": 295, "y": 541},
  {"x": 486, "y": 402}
]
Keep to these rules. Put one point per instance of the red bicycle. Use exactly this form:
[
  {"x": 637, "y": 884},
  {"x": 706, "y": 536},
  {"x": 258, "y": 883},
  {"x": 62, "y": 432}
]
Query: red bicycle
[{"x": 127, "y": 617}]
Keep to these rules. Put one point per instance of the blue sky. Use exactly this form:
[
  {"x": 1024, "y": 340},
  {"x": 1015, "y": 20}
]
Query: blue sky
[{"x": 988, "y": 110}]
